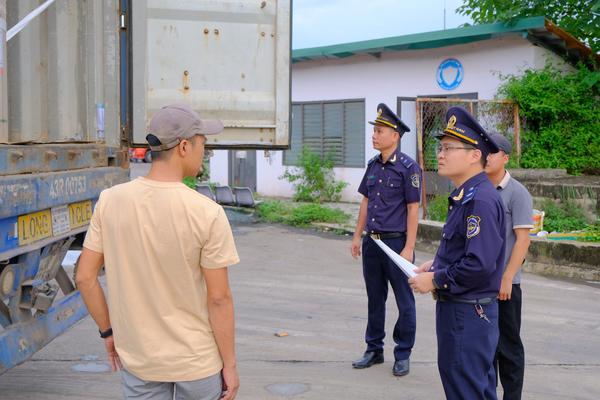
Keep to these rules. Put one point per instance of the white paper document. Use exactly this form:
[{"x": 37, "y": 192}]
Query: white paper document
[{"x": 406, "y": 267}]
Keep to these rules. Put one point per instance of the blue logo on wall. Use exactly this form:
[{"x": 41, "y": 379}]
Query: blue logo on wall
[{"x": 450, "y": 74}]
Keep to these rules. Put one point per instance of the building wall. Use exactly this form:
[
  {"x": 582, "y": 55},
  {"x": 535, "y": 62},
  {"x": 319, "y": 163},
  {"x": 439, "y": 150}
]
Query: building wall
[{"x": 402, "y": 74}]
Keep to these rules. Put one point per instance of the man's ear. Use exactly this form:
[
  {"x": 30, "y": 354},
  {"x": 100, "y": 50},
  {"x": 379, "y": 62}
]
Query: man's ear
[
  {"x": 474, "y": 154},
  {"x": 183, "y": 147}
]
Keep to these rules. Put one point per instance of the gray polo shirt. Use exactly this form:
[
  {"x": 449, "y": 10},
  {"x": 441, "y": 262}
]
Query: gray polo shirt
[{"x": 519, "y": 213}]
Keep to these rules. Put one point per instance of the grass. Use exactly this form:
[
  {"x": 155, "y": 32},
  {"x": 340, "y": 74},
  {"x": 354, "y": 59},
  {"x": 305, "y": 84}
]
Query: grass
[{"x": 277, "y": 211}]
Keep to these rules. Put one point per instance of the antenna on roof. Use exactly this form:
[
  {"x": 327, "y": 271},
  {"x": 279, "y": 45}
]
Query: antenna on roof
[{"x": 444, "y": 14}]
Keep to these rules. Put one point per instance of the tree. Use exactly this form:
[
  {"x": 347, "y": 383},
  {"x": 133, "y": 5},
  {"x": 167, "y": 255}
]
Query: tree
[{"x": 581, "y": 18}]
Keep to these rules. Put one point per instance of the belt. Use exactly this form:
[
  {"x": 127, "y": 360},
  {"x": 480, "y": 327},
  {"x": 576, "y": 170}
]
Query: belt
[
  {"x": 387, "y": 235},
  {"x": 453, "y": 299}
]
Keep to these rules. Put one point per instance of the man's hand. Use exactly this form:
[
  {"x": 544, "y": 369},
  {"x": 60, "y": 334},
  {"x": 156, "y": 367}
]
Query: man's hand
[
  {"x": 355, "y": 247},
  {"x": 425, "y": 267},
  {"x": 408, "y": 254},
  {"x": 113, "y": 357},
  {"x": 231, "y": 383},
  {"x": 505, "y": 288},
  {"x": 422, "y": 283}
]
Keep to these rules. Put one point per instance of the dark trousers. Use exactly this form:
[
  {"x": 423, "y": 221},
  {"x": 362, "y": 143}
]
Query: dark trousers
[
  {"x": 378, "y": 270},
  {"x": 510, "y": 356},
  {"x": 466, "y": 348}
]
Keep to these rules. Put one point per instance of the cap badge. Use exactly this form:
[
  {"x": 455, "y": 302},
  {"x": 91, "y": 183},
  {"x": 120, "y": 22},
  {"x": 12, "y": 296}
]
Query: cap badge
[
  {"x": 379, "y": 112},
  {"x": 451, "y": 122}
]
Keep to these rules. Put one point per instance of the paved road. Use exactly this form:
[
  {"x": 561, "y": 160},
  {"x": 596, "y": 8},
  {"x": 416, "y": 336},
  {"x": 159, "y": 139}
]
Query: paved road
[{"x": 307, "y": 285}]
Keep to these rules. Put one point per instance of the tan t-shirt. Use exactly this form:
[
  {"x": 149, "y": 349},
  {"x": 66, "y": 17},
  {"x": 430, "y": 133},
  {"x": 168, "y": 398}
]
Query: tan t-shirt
[{"x": 155, "y": 236}]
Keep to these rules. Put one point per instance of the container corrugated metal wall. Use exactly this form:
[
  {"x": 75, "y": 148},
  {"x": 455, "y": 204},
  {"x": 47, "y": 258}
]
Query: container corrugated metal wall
[{"x": 61, "y": 68}]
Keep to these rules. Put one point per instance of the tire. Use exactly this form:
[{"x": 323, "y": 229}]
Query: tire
[{"x": 148, "y": 157}]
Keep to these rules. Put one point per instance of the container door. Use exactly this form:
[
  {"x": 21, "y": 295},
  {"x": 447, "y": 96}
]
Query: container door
[{"x": 228, "y": 60}]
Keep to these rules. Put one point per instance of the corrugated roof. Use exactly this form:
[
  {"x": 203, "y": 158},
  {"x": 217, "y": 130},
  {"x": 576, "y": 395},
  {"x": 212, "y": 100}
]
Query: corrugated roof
[{"x": 538, "y": 30}]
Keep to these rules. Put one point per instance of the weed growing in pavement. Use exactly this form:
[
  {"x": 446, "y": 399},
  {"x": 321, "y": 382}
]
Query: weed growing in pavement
[
  {"x": 314, "y": 179},
  {"x": 278, "y": 211}
]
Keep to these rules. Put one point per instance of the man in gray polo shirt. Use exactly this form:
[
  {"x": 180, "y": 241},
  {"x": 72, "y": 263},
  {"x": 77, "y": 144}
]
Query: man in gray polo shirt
[{"x": 510, "y": 356}]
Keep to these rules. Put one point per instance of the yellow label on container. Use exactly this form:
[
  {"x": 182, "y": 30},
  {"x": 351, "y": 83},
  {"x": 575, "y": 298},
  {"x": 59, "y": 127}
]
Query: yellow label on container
[
  {"x": 80, "y": 214},
  {"x": 35, "y": 226}
]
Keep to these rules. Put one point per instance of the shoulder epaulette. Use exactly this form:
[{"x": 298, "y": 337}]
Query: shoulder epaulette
[
  {"x": 407, "y": 162},
  {"x": 372, "y": 160},
  {"x": 469, "y": 194}
]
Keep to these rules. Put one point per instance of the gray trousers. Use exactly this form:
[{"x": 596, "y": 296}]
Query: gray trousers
[{"x": 202, "y": 389}]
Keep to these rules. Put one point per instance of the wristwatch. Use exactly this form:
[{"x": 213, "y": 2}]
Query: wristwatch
[{"x": 105, "y": 334}]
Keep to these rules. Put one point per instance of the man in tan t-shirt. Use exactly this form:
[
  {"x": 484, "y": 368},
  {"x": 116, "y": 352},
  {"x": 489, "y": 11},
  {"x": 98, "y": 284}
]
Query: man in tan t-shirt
[{"x": 169, "y": 323}]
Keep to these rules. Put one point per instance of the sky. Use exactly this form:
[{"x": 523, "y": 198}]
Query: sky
[{"x": 325, "y": 22}]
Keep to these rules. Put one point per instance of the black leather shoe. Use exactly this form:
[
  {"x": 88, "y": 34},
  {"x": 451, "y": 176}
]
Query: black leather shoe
[
  {"x": 370, "y": 358},
  {"x": 401, "y": 367}
]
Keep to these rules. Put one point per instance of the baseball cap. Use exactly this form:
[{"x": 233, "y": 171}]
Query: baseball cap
[
  {"x": 175, "y": 122},
  {"x": 502, "y": 142}
]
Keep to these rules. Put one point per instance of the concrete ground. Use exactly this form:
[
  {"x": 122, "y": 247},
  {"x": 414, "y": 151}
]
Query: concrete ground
[{"x": 307, "y": 285}]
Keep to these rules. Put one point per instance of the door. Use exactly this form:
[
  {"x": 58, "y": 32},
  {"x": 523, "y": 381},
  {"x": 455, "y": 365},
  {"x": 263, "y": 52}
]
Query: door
[{"x": 242, "y": 168}]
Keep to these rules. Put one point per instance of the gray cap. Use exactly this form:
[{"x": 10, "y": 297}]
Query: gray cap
[
  {"x": 175, "y": 122},
  {"x": 502, "y": 142}
]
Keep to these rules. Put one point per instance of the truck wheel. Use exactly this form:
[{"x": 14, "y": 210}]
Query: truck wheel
[{"x": 148, "y": 157}]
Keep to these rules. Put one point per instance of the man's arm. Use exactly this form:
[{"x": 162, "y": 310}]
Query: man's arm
[
  {"x": 88, "y": 284},
  {"x": 360, "y": 227},
  {"x": 515, "y": 262},
  {"x": 412, "y": 223},
  {"x": 220, "y": 312}
]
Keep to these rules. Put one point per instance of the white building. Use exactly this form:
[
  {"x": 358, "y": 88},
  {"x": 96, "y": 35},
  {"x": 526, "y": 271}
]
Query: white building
[{"x": 336, "y": 89}]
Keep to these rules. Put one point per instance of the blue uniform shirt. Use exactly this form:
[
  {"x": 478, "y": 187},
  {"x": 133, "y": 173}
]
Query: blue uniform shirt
[
  {"x": 470, "y": 260},
  {"x": 389, "y": 187}
]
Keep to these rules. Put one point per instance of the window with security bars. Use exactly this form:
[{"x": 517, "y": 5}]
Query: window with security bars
[{"x": 329, "y": 128}]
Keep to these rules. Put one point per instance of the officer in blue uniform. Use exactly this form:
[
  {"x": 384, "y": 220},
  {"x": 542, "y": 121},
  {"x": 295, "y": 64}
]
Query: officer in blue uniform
[
  {"x": 467, "y": 269},
  {"x": 389, "y": 211}
]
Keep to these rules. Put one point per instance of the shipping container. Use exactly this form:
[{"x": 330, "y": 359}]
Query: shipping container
[{"x": 78, "y": 83}]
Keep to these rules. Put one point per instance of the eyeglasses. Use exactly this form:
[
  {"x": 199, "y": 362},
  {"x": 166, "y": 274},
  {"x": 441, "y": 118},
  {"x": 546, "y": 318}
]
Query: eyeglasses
[{"x": 445, "y": 148}]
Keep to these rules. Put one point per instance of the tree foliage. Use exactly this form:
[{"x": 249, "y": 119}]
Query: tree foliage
[
  {"x": 581, "y": 18},
  {"x": 561, "y": 111}
]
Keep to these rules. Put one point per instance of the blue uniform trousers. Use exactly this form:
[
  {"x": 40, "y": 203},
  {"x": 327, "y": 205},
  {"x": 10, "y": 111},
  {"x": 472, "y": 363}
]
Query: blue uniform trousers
[
  {"x": 378, "y": 270},
  {"x": 466, "y": 350}
]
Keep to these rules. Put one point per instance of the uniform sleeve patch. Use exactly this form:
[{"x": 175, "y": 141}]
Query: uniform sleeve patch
[
  {"x": 473, "y": 226},
  {"x": 414, "y": 179}
]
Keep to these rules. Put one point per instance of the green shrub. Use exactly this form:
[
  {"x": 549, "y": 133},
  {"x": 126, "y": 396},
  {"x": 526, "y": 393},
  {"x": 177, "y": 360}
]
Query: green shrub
[
  {"x": 313, "y": 179},
  {"x": 299, "y": 215},
  {"x": 565, "y": 216},
  {"x": 561, "y": 117},
  {"x": 592, "y": 232},
  {"x": 437, "y": 207}
]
